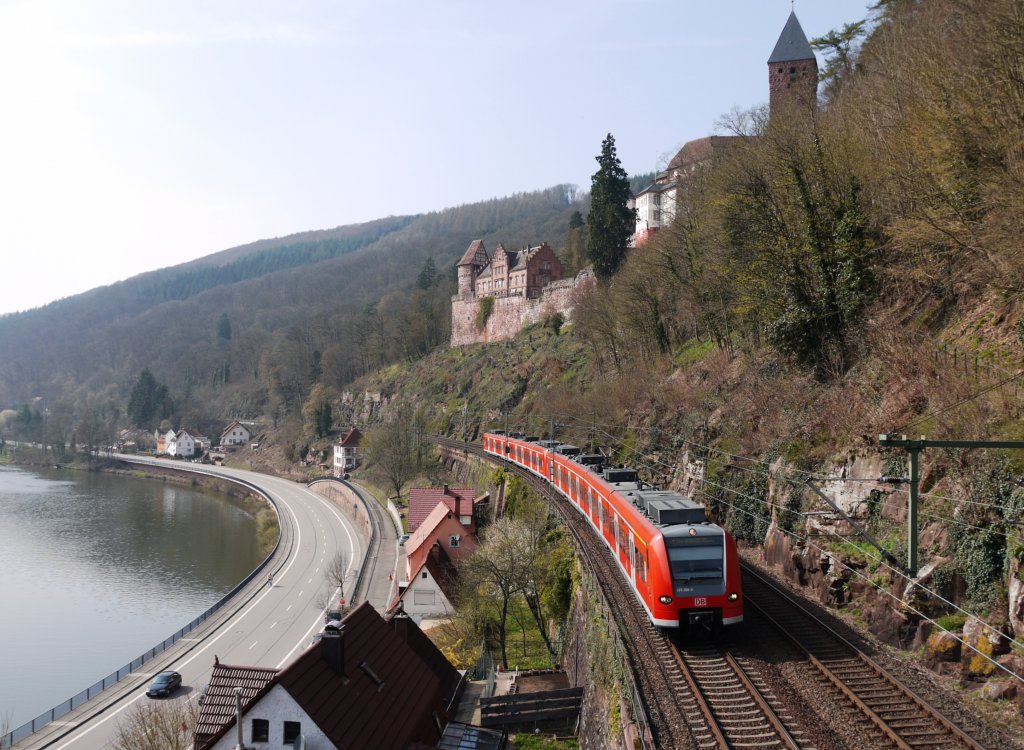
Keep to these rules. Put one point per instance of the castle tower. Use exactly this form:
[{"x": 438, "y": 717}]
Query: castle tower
[
  {"x": 792, "y": 68},
  {"x": 473, "y": 261}
]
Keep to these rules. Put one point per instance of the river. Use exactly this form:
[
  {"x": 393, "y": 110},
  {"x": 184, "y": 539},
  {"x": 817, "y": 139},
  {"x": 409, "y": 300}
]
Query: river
[{"x": 95, "y": 569}]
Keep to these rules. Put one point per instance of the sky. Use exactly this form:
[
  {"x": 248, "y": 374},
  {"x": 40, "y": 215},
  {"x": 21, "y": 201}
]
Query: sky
[{"x": 136, "y": 135}]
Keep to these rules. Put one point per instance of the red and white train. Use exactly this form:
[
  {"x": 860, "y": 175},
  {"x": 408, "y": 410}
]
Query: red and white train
[{"x": 682, "y": 568}]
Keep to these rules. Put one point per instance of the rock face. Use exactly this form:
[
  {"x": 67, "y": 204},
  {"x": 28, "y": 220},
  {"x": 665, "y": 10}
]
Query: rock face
[
  {"x": 984, "y": 644},
  {"x": 1016, "y": 595}
]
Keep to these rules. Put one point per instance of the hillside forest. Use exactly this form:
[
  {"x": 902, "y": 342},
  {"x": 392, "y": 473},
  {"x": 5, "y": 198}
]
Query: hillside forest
[{"x": 839, "y": 271}]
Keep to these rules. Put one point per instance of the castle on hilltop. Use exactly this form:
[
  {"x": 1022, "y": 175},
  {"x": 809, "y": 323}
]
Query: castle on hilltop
[
  {"x": 524, "y": 287},
  {"x": 792, "y": 80}
]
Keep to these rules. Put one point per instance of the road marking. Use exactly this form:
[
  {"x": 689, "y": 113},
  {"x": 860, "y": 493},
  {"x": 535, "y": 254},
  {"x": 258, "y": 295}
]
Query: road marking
[
  {"x": 253, "y": 644},
  {"x": 288, "y": 608},
  {"x": 274, "y": 625}
]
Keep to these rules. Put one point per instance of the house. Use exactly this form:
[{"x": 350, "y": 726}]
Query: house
[
  {"x": 367, "y": 683},
  {"x": 444, "y": 528},
  {"x": 346, "y": 452},
  {"x": 423, "y": 500},
  {"x": 430, "y": 589},
  {"x": 182, "y": 444},
  {"x": 235, "y": 433},
  {"x": 164, "y": 440},
  {"x": 203, "y": 443}
]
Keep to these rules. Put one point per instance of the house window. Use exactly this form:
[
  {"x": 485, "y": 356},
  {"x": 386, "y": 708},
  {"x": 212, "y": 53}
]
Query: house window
[
  {"x": 423, "y": 598},
  {"x": 260, "y": 730},
  {"x": 454, "y": 540},
  {"x": 424, "y": 574},
  {"x": 292, "y": 730}
]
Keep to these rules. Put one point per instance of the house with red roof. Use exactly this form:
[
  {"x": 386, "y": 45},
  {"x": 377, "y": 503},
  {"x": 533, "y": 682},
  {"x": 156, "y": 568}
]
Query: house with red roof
[
  {"x": 235, "y": 433},
  {"x": 346, "y": 452},
  {"x": 367, "y": 683},
  {"x": 429, "y": 592},
  {"x": 445, "y": 529}
]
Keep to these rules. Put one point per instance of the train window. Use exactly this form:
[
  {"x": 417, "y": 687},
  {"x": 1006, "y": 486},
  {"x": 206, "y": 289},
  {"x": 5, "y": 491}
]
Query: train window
[
  {"x": 641, "y": 564},
  {"x": 696, "y": 558}
]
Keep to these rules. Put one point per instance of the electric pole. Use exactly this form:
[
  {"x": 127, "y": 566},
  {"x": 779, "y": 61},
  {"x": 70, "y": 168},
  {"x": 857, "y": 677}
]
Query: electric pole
[{"x": 914, "y": 448}]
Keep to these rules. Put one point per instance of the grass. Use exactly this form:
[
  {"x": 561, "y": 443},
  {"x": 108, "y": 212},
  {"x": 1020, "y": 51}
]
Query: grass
[{"x": 542, "y": 742}]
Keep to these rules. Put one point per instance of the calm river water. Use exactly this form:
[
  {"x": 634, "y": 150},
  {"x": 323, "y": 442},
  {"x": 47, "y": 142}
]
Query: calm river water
[{"x": 96, "y": 569}]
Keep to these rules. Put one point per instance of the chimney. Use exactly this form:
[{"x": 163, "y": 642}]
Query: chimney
[
  {"x": 332, "y": 647},
  {"x": 444, "y": 490},
  {"x": 400, "y": 622},
  {"x": 458, "y": 507}
]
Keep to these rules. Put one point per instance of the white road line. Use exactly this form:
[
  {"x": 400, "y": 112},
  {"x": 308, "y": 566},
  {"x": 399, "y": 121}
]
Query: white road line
[{"x": 253, "y": 645}]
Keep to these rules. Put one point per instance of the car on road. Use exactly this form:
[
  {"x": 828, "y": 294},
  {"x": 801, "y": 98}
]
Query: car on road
[
  {"x": 403, "y": 539},
  {"x": 164, "y": 684}
]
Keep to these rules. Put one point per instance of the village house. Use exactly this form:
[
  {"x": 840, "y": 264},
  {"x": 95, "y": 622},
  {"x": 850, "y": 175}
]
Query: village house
[
  {"x": 346, "y": 452},
  {"x": 180, "y": 444},
  {"x": 444, "y": 528},
  {"x": 235, "y": 433},
  {"x": 367, "y": 683},
  {"x": 430, "y": 589}
]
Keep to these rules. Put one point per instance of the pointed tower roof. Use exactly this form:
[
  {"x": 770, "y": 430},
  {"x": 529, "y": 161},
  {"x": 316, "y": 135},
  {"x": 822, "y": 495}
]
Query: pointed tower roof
[{"x": 792, "y": 44}]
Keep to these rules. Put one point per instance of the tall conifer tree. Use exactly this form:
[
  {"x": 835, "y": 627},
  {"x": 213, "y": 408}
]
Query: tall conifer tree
[{"x": 610, "y": 222}]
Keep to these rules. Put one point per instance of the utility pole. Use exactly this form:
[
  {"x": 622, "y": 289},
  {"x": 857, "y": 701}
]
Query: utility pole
[{"x": 914, "y": 448}]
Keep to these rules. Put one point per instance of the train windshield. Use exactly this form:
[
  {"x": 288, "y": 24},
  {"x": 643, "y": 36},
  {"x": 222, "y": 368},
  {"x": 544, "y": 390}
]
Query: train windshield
[{"x": 696, "y": 558}]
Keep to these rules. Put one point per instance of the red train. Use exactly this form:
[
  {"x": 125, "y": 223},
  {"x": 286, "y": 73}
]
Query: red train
[{"x": 682, "y": 568}]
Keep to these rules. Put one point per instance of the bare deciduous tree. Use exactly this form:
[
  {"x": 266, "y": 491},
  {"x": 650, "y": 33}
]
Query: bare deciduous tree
[{"x": 157, "y": 725}]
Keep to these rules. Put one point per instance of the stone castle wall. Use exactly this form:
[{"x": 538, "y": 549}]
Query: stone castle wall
[{"x": 511, "y": 313}]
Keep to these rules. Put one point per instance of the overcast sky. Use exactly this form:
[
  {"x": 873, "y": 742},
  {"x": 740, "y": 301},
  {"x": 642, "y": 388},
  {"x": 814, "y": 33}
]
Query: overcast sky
[{"x": 137, "y": 135}]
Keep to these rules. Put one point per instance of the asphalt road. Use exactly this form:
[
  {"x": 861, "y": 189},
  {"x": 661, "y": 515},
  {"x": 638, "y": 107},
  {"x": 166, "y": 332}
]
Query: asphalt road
[{"x": 265, "y": 626}]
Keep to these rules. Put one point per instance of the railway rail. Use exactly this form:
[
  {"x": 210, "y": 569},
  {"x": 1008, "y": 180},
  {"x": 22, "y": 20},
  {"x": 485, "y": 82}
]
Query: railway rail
[{"x": 904, "y": 718}]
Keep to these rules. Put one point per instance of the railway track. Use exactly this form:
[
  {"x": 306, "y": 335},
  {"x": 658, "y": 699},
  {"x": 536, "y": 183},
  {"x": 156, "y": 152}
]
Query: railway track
[
  {"x": 690, "y": 701},
  {"x": 899, "y": 715}
]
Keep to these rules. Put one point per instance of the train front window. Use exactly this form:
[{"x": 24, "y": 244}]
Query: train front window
[{"x": 696, "y": 559}]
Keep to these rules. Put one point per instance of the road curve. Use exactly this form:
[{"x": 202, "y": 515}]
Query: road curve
[{"x": 265, "y": 626}]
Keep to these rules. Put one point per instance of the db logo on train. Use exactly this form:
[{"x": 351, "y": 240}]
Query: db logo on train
[{"x": 700, "y": 601}]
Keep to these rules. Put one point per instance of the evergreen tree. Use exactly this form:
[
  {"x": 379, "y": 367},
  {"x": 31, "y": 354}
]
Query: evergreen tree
[
  {"x": 428, "y": 274},
  {"x": 610, "y": 222},
  {"x": 149, "y": 401},
  {"x": 224, "y": 328}
]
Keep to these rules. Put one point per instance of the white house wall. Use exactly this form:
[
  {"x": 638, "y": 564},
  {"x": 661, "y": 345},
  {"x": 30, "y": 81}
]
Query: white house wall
[
  {"x": 277, "y": 707},
  {"x": 426, "y": 588}
]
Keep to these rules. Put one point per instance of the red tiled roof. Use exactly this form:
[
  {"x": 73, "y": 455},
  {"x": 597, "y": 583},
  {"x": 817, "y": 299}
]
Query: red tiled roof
[
  {"x": 351, "y": 438},
  {"x": 423, "y": 500},
  {"x": 218, "y": 709}
]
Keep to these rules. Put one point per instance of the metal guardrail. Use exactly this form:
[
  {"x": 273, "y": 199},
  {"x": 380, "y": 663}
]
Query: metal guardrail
[{"x": 77, "y": 700}]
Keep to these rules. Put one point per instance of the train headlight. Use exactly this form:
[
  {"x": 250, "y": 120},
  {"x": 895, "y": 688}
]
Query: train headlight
[
  {"x": 733, "y": 596},
  {"x": 693, "y": 531},
  {"x": 665, "y": 599}
]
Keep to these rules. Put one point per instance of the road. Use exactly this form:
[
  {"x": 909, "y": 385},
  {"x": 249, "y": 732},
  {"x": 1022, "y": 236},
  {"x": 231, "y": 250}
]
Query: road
[{"x": 266, "y": 626}]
